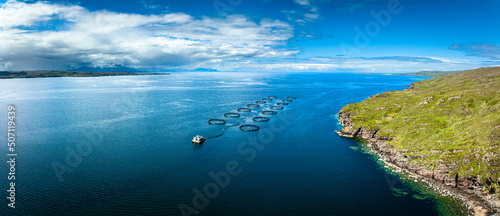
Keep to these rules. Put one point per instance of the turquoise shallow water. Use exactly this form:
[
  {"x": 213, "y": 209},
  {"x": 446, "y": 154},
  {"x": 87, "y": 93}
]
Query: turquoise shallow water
[{"x": 131, "y": 137}]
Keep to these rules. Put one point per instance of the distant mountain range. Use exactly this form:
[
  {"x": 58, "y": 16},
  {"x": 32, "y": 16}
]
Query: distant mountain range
[
  {"x": 143, "y": 70},
  {"x": 62, "y": 73}
]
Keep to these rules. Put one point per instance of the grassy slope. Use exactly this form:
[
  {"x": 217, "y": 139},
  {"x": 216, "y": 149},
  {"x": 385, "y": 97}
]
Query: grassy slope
[
  {"x": 59, "y": 73},
  {"x": 451, "y": 122}
]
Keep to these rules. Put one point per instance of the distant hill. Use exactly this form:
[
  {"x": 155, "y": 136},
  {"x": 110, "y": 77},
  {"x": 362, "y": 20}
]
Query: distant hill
[
  {"x": 432, "y": 73},
  {"x": 61, "y": 73},
  {"x": 117, "y": 68}
]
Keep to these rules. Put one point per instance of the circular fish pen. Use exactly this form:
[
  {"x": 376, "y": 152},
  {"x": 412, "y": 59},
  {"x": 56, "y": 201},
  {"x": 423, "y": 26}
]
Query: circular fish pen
[
  {"x": 244, "y": 110},
  {"x": 269, "y": 112},
  {"x": 248, "y": 127},
  {"x": 217, "y": 121},
  {"x": 277, "y": 107},
  {"x": 250, "y": 111},
  {"x": 232, "y": 115},
  {"x": 260, "y": 119}
]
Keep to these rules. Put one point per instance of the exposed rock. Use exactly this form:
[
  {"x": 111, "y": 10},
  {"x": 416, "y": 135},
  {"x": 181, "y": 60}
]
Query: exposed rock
[
  {"x": 427, "y": 100},
  {"x": 441, "y": 175},
  {"x": 455, "y": 98}
]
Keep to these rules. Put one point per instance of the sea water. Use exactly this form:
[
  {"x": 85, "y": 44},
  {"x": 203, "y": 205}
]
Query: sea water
[{"x": 121, "y": 145}]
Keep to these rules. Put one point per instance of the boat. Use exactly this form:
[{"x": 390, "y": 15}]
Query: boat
[{"x": 198, "y": 139}]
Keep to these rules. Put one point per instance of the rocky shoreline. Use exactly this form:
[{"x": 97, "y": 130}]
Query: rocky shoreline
[{"x": 466, "y": 189}]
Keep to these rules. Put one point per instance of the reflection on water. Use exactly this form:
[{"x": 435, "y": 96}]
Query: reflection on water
[{"x": 141, "y": 160}]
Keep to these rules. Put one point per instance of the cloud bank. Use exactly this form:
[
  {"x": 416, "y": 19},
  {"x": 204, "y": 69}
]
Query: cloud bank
[
  {"x": 43, "y": 35},
  {"x": 479, "y": 49},
  {"x": 386, "y": 64}
]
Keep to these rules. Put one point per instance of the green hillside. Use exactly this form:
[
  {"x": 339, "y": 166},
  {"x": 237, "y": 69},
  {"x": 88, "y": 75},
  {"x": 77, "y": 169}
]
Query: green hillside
[{"x": 448, "y": 124}]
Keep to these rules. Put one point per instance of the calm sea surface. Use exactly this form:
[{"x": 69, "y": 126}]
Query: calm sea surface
[{"x": 121, "y": 146}]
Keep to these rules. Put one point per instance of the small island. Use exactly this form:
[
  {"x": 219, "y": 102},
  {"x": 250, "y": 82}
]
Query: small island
[
  {"x": 445, "y": 129},
  {"x": 62, "y": 73}
]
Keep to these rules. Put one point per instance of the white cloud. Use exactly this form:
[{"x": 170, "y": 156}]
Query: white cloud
[
  {"x": 479, "y": 49},
  {"x": 13, "y": 13},
  {"x": 109, "y": 39},
  {"x": 153, "y": 5},
  {"x": 390, "y": 64},
  {"x": 302, "y": 2},
  {"x": 311, "y": 16}
]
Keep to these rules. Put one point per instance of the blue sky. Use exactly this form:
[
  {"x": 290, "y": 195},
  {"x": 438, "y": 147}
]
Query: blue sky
[{"x": 250, "y": 35}]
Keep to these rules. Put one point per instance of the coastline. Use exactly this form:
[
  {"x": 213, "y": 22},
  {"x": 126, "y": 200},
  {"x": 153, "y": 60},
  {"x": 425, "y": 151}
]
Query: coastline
[
  {"x": 60, "y": 73},
  {"x": 467, "y": 191}
]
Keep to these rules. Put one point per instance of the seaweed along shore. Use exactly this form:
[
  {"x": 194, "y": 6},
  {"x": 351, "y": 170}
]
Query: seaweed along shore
[{"x": 446, "y": 130}]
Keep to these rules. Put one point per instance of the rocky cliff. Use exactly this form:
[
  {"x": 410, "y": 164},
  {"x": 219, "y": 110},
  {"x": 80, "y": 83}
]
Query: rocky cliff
[{"x": 438, "y": 131}]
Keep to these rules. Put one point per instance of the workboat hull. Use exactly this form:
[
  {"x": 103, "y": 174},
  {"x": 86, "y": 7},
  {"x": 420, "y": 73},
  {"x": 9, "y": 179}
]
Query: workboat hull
[{"x": 198, "y": 141}]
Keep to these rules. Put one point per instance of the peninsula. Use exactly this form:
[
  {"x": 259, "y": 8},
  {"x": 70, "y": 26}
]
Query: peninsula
[
  {"x": 445, "y": 129},
  {"x": 432, "y": 73},
  {"x": 62, "y": 73}
]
